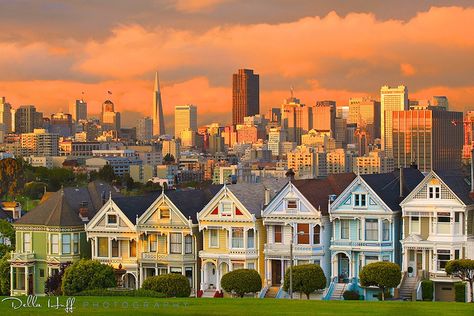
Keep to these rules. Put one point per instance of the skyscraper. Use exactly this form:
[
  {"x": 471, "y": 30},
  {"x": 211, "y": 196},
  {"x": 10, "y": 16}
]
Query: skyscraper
[
  {"x": 145, "y": 129},
  {"x": 295, "y": 119},
  {"x": 185, "y": 118},
  {"x": 5, "y": 118},
  {"x": 110, "y": 118},
  {"x": 324, "y": 116},
  {"x": 27, "y": 119},
  {"x": 365, "y": 112},
  {"x": 78, "y": 110},
  {"x": 158, "y": 120},
  {"x": 391, "y": 99},
  {"x": 427, "y": 138},
  {"x": 245, "y": 95}
]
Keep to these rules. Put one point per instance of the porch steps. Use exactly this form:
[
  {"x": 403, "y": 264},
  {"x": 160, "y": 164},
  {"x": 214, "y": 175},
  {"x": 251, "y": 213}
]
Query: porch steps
[
  {"x": 339, "y": 289},
  {"x": 272, "y": 292},
  {"x": 208, "y": 293},
  {"x": 407, "y": 288}
]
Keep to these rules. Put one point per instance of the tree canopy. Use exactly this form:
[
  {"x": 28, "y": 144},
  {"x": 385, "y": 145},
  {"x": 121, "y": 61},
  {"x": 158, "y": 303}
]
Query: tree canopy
[
  {"x": 383, "y": 275},
  {"x": 463, "y": 269},
  {"x": 241, "y": 282},
  {"x": 307, "y": 278}
]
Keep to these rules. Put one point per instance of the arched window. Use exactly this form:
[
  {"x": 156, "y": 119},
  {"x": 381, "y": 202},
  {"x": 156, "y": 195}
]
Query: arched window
[{"x": 317, "y": 235}]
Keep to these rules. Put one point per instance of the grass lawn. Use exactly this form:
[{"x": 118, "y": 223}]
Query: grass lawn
[{"x": 247, "y": 306}]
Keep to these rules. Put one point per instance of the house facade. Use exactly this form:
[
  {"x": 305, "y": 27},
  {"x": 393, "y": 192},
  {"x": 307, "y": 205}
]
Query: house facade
[
  {"x": 51, "y": 236},
  {"x": 366, "y": 220},
  {"x": 233, "y": 232},
  {"x": 298, "y": 215},
  {"x": 438, "y": 224}
]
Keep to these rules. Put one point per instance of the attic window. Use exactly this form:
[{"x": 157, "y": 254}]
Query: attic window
[
  {"x": 226, "y": 209},
  {"x": 291, "y": 204},
  {"x": 164, "y": 213},
  {"x": 434, "y": 192},
  {"x": 112, "y": 219}
]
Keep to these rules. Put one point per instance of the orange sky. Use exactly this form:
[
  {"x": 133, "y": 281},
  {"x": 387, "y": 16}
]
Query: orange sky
[{"x": 330, "y": 56}]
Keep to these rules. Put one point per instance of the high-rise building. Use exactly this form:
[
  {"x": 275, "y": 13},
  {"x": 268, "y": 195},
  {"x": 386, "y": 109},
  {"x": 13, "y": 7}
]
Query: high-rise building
[
  {"x": 27, "y": 119},
  {"x": 391, "y": 99},
  {"x": 185, "y": 118},
  {"x": 324, "y": 116},
  {"x": 428, "y": 139},
  {"x": 145, "y": 129},
  {"x": 245, "y": 95},
  {"x": 307, "y": 162},
  {"x": 295, "y": 119},
  {"x": 365, "y": 112},
  {"x": 5, "y": 118},
  {"x": 374, "y": 162},
  {"x": 158, "y": 119},
  {"x": 40, "y": 143},
  {"x": 110, "y": 118},
  {"x": 61, "y": 124},
  {"x": 339, "y": 161},
  {"x": 78, "y": 110}
]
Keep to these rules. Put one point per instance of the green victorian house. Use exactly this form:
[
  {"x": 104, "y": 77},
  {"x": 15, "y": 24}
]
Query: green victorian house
[{"x": 52, "y": 235}]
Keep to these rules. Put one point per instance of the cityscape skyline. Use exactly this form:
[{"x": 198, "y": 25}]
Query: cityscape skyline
[{"x": 345, "y": 68}]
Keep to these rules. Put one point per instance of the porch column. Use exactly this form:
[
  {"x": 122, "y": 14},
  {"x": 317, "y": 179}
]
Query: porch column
[
  {"x": 218, "y": 277},
  {"x": 26, "y": 280},
  {"x": 110, "y": 247},
  {"x": 405, "y": 253},
  {"x": 167, "y": 244},
  {"x": 156, "y": 268},
  {"x": 140, "y": 275},
  {"x": 11, "y": 279},
  {"x": 423, "y": 260},
  {"x": 203, "y": 276},
  {"x": 282, "y": 271},
  {"x": 267, "y": 270},
  {"x": 334, "y": 271},
  {"x": 182, "y": 246}
]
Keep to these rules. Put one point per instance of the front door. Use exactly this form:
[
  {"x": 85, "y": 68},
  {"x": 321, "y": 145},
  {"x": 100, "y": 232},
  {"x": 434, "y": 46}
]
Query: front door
[
  {"x": 30, "y": 284},
  {"x": 343, "y": 268},
  {"x": 276, "y": 272},
  {"x": 419, "y": 261}
]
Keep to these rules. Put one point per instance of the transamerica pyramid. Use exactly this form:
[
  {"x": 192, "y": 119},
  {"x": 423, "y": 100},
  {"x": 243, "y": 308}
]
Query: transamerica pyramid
[{"x": 158, "y": 121}]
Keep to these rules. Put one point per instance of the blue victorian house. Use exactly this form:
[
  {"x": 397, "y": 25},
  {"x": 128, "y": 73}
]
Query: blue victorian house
[{"x": 366, "y": 223}]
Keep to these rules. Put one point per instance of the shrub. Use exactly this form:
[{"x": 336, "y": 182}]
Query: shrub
[
  {"x": 241, "y": 282},
  {"x": 172, "y": 285},
  {"x": 87, "y": 275},
  {"x": 52, "y": 284},
  {"x": 460, "y": 292},
  {"x": 134, "y": 293},
  {"x": 427, "y": 290},
  {"x": 5, "y": 275},
  {"x": 383, "y": 275},
  {"x": 463, "y": 269},
  {"x": 351, "y": 295},
  {"x": 307, "y": 278}
]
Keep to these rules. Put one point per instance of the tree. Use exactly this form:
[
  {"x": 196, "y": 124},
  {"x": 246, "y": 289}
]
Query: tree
[
  {"x": 5, "y": 275},
  {"x": 52, "y": 284},
  {"x": 87, "y": 275},
  {"x": 6, "y": 231},
  {"x": 106, "y": 173},
  {"x": 307, "y": 278},
  {"x": 172, "y": 285},
  {"x": 383, "y": 275},
  {"x": 241, "y": 282},
  {"x": 463, "y": 269},
  {"x": 34, "y": 190},
  {"x": 11, "y": 176},
  {"x": 128, "y": 182}
]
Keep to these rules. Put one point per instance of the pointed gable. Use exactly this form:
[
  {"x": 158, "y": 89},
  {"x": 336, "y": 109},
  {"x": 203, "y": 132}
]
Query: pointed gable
[{"x": 289, "y": 201}]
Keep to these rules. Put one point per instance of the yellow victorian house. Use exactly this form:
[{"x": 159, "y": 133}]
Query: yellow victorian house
[{"x": 233, "y": 232}]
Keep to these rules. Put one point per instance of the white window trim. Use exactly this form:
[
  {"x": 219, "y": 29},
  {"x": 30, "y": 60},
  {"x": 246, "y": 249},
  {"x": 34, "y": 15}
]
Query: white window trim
[
  {"x": 210, "y": 238},
  {"x": 221, "y": 209},
  {"x": 360, "y": 194},
  {"x": 107, "y": 219},
  {"x": 434, "y": 187}
]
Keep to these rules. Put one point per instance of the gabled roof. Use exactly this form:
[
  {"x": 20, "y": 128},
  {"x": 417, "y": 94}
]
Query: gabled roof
[
  {"x": 252, "y": 195},
  {"x": 457, "y": 183},
  {"x": 188, "y": 201},
  {"x": 387, "y": 185},
  {"x": 317, "y": 191},
  {"x": 55, "y": 211},
  {"x": 61, "y": 208}
]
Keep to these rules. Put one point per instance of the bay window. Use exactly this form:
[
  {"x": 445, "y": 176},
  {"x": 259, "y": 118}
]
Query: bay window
[
  {"x": 54, "y": 244},
  {"x": 316, "y": 235},
  {"x": 251, "y": 238},
  {"x": 303, "y": 234},
  {"x": 277, "y": 233},
  {"x": 188, "y": 244},
  {"x": 102, "y": 247},
  {"x": 385, "y": 230},
  {"x": 213, "y": 238},
  {"x": 344, "y": 229},
  {"x": 176, "y": 243},
  {"x": 66, "y": 243},
  {"x": 237, "y": 237},
  {"x": 371, "y": 229},
  {"x": 115, "y": 248}
]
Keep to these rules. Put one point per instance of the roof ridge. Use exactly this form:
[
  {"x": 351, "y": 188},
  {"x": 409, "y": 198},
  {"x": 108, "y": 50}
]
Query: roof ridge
[{"x": 54, "y": 209}]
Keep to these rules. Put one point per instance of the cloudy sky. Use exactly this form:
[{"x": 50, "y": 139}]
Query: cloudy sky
[{"x": 53, "y": 50}]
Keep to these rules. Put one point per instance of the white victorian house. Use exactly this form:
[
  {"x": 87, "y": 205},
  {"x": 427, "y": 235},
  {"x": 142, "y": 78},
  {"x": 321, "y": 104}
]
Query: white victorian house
[{"x": 438, "y": 220}]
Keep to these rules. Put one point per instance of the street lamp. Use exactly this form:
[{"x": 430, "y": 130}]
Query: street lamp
[{"x": 292, "y": 258}]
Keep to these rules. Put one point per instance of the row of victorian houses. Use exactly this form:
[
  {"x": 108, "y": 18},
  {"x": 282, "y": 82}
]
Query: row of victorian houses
[{"x": 342, "y": 223}]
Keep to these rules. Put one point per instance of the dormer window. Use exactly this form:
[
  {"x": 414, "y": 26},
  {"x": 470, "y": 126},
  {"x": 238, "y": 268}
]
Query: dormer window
[
  {"x": 112, "y": 219},
  {"x": 292, "y": 205},
  {"x": 360, "y": 200},
  {"x": 434, "y": 192},
  {"x": 226, "y": 209},
  {"x": 164, "y": 213}
]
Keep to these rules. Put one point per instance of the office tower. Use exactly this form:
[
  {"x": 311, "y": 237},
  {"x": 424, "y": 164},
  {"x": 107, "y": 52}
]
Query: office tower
[
  {"x": 365, "y": 112},
  {"x": 307, "y": 162},
  {"x": 342, "y": 111},
  {"x": 245, "y": 95},
  {"x": 324, "y": 116},
  {"x": 295, "y": 119},
  {"x": 185, "y": 118},
  {"x": 158, "y": 119},
  {"x": 391, "y": 99},
  {"x": 274, "y": 115},
  {"x": 78, "y": 110},
  {"x": 5, "y": 118},
  {"x": 172, "y": 147},
  {"x": 110, "y": 118},
  {"x": 276, "y": 136},
  {"x": 374, "y": 162},
  {"x": 61, "y": 124},
  {"x": 440, "y": 101},
  {"x": 145, "y": 129},
  {"x": 427, "y": 138},
  {"x": 27, "y": 119},
  {"x": 468, "y": 135},
  {"x": 40, "y": 143},
  {"x": 230, "y": 136},
  {"x": 340, "y": 132},
  {"x": 216, "y": 144}
]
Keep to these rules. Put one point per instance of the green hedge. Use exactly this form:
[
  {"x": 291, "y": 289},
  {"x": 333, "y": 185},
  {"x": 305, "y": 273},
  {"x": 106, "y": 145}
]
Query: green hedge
[
  {"x": 85, "y": 275},
  {"x": 460, "y": 292},
  {"x": 241, "y": 282},
  {"x": 172, "y": 285},
  {"x": 427, "y": 290},
  {"x": 135, "y": 293},
  {"x": 351, "y": 295}
]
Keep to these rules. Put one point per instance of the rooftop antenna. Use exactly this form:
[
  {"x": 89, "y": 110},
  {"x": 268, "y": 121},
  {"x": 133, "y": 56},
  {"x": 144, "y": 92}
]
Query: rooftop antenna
[{"x": 291, "y": 91}]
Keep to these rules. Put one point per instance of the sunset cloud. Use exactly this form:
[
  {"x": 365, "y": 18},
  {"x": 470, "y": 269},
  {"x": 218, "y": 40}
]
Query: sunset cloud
[{"x": 324, "y": 57}]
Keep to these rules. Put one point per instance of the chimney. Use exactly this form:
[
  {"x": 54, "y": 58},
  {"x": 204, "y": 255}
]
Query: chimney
[
  {"x": 471, "y": 194},
  {"x": 84, "y": 214},
  {"x": 267, "y": 196},
  {"x": 402, "y": 182}
]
